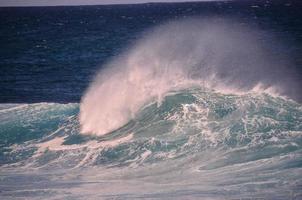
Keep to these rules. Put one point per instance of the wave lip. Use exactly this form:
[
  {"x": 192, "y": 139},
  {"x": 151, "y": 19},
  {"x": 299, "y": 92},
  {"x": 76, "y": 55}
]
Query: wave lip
[{"x": 222, "y": 55}]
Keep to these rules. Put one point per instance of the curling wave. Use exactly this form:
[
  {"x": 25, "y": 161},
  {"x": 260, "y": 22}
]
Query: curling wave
[
  {"x": 186, "y": 124},
  {"x": 216, "y": 54},
  {"x": 198, "y": 140}
]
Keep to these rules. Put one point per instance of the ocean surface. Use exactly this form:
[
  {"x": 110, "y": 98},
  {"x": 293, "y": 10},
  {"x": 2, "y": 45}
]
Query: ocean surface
[{"x": 152, "y": 101}]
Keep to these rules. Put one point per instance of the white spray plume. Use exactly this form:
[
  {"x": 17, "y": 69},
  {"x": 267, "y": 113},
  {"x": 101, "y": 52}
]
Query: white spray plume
[{"x": 218, "y": 54}]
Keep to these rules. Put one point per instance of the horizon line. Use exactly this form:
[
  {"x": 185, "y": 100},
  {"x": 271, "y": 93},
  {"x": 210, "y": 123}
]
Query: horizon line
[{"x": 117, "y": 3}]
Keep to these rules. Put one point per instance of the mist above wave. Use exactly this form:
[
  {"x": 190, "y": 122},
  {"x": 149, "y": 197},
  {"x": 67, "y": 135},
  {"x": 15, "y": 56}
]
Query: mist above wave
[{"x": 218, "y": 54}]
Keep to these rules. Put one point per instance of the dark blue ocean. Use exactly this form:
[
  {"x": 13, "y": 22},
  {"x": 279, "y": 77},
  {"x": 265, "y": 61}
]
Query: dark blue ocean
[
  {"x": 152, "y": 101},
  {"x": 51, "y": 53}
]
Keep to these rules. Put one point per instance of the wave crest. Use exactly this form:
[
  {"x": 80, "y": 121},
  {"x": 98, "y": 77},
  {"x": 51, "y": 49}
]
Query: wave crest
[{"x": 217, "y": 54}]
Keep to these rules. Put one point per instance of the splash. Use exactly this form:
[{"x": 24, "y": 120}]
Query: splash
[{"x": 222, "y": 55}]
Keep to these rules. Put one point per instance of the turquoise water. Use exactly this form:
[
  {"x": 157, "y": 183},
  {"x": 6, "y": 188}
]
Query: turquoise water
[{"x": 196, "y": 144}]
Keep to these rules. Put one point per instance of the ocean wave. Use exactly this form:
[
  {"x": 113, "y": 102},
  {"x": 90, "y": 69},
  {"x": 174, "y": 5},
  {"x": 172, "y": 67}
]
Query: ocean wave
[
  {"x": 217, "y": 54},
  {"x": 197, "y": 139},
  {"x": 185, "y": 124}
]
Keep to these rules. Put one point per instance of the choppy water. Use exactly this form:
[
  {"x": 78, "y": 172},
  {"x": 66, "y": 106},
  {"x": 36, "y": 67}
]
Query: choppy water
[
  {"x": 193, "y": 109},
  {"x": 196, "y": 144}
]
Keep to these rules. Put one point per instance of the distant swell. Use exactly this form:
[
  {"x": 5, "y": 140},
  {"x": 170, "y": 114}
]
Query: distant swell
[{"x": 220, "y": 55}]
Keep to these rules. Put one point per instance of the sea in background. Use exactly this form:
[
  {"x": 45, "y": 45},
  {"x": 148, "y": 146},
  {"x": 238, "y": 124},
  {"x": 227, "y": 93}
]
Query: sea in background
[{"x": 198, "y": 100}]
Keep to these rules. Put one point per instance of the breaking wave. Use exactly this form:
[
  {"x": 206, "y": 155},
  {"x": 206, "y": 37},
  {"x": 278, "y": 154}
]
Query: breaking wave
[
  {"x": 195, "y": 109},
  {"x": 216, "y": 54}
]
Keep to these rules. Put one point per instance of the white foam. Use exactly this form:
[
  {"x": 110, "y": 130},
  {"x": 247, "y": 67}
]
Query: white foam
[
  {"x": 217, "y": 54},
  {"x": 56, "y": 144}
]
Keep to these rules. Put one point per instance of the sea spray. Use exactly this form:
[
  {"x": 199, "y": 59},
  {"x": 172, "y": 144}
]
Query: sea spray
[{"x": 223, "y": 55}]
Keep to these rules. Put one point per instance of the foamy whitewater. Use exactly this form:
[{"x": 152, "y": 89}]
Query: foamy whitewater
[
  {"x": 195, "y": 109},
  {"x": 216, "y": 54}
]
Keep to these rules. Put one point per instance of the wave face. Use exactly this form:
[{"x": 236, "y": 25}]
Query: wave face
[
  {"x": 213, "y": 53},
  {"x": 197, "y": 143}
]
